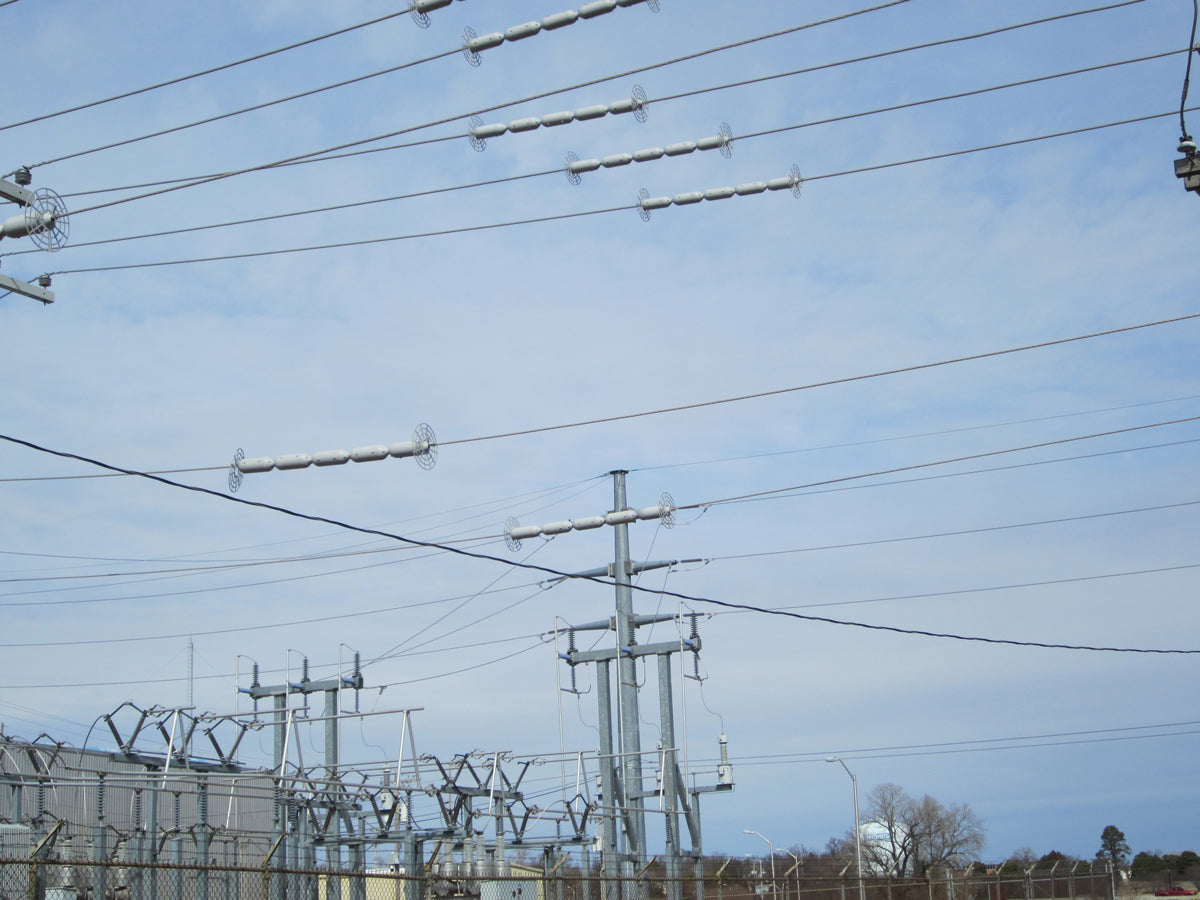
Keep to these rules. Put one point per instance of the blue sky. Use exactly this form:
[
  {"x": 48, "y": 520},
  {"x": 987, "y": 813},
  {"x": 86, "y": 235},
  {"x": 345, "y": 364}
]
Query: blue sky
[{"x": 490, "y": 331}]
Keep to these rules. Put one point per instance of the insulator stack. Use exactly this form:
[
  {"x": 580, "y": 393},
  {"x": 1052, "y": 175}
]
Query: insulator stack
[
  {"x": 694, "y": 640},
  {"x": 636, "y": 104},
  {"x": 791, "y": 182},
  {"x": 422, "y": 447},
  {"x": 665, "y": 510},
  {"x": 722, "y": 141},
  {"x": 422, "y": 8},
  {"x": 474, "y": 43}
]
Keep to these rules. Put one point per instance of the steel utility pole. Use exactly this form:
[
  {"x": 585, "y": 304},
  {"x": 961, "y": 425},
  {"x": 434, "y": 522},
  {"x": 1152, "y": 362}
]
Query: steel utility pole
[
  {"x": 625, "y": 840},
  {"x": 627, "y": 690}
]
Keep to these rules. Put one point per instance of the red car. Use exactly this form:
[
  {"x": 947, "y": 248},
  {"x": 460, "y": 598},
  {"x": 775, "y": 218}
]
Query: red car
[{"x": 1174, "y": 892}]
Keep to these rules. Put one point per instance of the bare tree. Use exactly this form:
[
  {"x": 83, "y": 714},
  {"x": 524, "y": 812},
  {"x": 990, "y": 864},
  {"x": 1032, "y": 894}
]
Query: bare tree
[{"x": 908, "y": 836}]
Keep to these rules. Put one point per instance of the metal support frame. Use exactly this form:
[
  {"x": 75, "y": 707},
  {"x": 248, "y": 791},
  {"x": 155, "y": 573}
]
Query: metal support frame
[{"x": 624, "y": 854}]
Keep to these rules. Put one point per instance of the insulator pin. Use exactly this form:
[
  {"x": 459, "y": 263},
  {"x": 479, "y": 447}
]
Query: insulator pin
[
  {"x": 559, "y": 20},
  {"x": 520, "y": 32},
  {"x": 485, "y": 41},
  {"x": 680, "y": 148},
  {"x": 331, "y": 458},
  {"x": 584, "y": 165},
  {"x": 529, "y": 124},
  {"x": 620, "y": 517},
  {"x": 592, "y": 112},
  {"x": 596, "y": 8},
  {"x": 373, "y": 453},
  {"x": 257, "y": 464},
  {"x": 293, "y": 461}
]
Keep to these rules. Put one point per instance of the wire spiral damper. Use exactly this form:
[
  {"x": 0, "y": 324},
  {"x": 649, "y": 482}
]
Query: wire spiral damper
[
  {"x": 469, "y": 34},
  {"x": 509, "y": 541},
  {"x": 235, "y": 474},
  {"x": 726, "y": 134},
  {"x": 643, "y": 196},
  {"x": 48, "y": 220},
  {"x": 641, "y": 104},
  {"x": 574, "y": 177},
  {"x": 478, "y": 144},
  {"x": 426, "y": 441}
]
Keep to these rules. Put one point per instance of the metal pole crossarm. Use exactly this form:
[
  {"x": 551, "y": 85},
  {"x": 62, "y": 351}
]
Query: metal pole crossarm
[
  {"x": 33, "y": 292},
  {"x": 636, "y": 650},
  {"x": 631, "y": 568},
  {"x": 260, "y": 692},
  {"x": 15, "y": 193},
  {"x": 610, "y": 623}
]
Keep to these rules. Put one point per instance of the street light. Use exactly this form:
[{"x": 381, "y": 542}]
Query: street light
[
  {"x": 774, "y": 886},
  {"x": 797, "y": 866},
  {"x": 862, "y": 893}
]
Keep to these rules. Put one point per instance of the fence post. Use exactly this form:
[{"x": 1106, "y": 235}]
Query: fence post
[
  {"x": 176, "y": 882},
  {"x": 266, "y": 867},
  {"x": 203, "y": 838},
  {"x": 137, "y": 848}
]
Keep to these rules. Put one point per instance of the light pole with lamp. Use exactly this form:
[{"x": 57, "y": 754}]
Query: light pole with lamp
[
  {"x": 862, "y": 893},
  {"x": 797, "y": 865},
  {"x": 774, "y": 885}
]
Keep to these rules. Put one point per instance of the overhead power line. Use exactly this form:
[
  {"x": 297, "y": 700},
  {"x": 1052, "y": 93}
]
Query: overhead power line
[
  {"x": 957, "y": 533},
  {"x": 482, "y": 540},
  {"x": 221, "y": 68},
  {"x": 992, "y": 588},
  {"x": 471, "y": 47},
  {"x": 272, "y": 625},
  {"x": 976, "y": 746},
  {"x": 849, "y": 379},
  {"x": 964, "y": 472},
  {"x": 237, "y": 112},
  {"x": 429, "y": 192},
  {"x": 329, "y": 151},
  {"x": 535, "y": 220},
  {"x": 203, "y": 569},
  {"x": 827, "y": 383},
  {"x": 941, "y": 462},
  {"x": 867, "y": 441},
  {"x": 559, "y": 574}
]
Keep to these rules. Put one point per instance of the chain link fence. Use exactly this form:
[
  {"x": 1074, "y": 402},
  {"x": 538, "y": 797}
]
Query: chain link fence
[{"x": 87, "y": 879}]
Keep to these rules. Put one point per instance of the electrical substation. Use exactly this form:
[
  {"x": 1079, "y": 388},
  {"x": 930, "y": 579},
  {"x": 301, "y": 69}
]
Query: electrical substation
[
  {"x": 174, "y": 811},
  {"x": 847, "y": 358}
]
